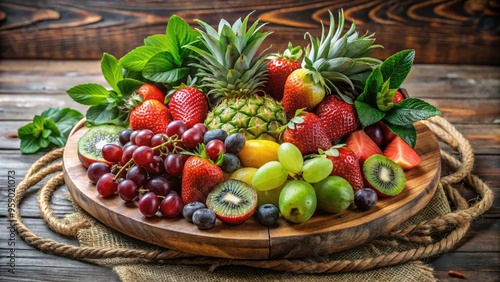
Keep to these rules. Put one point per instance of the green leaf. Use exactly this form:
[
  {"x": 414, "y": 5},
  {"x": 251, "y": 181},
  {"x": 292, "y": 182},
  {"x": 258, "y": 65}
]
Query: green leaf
[
  {"x": 162, "y": 68},
  {"x": 368, "y": 114},
  {"x": 136, "y": 59},
  {"x": 89, "y": 94},
  {"x": 159, "y": 41},
  {"x": 407, "y": 133},
  {"x": 26, "y": 131},
  {"x": 385, "y": 97},
  {"x": 30, "y": 146},
  {"x": 65, "y": 119},
  {"x": 373, "y": 85},
  {"x": 101, "y": 115},
  {"x": 111, "y": 70},
  {"x": 411, "y": 110},
  {"x": 128, "y": 85},
  {"x": 178, "y": 34},
  {"x": 397, "y": 67}
]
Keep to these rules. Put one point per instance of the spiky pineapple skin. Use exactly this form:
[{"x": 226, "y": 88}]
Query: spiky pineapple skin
[{"x": 256, "y": 117}]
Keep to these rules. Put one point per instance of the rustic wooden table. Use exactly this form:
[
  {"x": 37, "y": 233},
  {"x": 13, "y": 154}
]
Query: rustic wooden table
[{"x": 469, "y": 97}]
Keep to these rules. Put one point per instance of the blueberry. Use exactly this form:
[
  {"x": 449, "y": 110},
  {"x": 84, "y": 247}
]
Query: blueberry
[
  {"x": 234, "y": 143},
  {"x": 267, "y": 214},
  {"x": 365, "y": 198},
  {"x": 231, "y": 163},
  {"x": 189, "y": 209},
  {"x": 204, "y": 218},
  {"x": 212, "y": 134}
]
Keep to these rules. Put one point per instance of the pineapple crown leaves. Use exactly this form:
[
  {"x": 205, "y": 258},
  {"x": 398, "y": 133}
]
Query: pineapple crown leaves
[
  {"x": 231, "y": 65},
  {"x": 341, "y": 60},
  {"x": 375, "y": 102}
]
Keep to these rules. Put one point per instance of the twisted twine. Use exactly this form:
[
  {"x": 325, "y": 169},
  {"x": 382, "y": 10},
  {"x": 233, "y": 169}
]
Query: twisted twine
[{"x": 421, "y": 232}]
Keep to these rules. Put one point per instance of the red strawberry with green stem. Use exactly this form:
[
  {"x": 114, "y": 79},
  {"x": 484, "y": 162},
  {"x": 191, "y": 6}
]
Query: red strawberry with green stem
[
  {"x": 304, "y": 89},
  {"x": 338, "y": 117},
  {"x": 151, "y": 114},
  {"x": 199, "y": 177},
  {"x": 345, "y": 165},
  {"x": 280, "y": 67},
  {"x": 306, "y": 132},
  {"x": 151, "y": 92},
  {"x": 189, "y": 105}
]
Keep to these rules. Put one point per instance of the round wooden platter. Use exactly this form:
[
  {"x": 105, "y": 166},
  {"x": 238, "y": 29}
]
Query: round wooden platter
[{"x": 322, "y": 234}]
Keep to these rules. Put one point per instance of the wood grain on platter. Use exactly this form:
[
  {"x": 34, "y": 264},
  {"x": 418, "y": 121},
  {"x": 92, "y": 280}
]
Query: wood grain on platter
[{"x": 322, "y": 234}]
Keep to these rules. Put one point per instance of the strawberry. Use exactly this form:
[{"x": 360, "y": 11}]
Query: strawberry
[
  {"x": 305, "y": 132},
  {"x": 280, "y": 67},
  {"x": 304, "y": 89},
  {"x": 402, "y": 154},
  {"x": 199, "y": 177},
  {"x": 151, "y": 114},
  {"x": 189, "y": 105},
  {"x": 362, "y": 145},
  {"x": 346, "y": 165},
  {"x": 398, "y": 98},
  {"x": 338, "y": 117},
  {"x": 151, "y": 92}
]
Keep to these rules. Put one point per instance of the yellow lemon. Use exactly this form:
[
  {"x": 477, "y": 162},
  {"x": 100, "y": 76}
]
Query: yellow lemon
[
  {"x": 256, "y": 153},
  {"x": 244, "y": 174}
]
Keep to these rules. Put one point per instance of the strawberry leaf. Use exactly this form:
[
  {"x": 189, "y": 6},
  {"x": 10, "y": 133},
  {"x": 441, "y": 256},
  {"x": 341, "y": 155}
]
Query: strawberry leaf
[
  {"x": 410, "y": 110},
  {"x": 397, "y": 67},
  {"x": 111, "y": 70}
]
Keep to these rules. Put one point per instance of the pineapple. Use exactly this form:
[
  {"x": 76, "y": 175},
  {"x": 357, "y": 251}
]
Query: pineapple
[
  {"x": 333, "y": 63},
  {"x": 235, "y": 76}
]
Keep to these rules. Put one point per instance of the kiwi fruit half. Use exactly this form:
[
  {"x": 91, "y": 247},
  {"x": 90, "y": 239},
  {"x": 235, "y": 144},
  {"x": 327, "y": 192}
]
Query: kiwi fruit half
[
  {"x": 232, "y": 201},
  {"x": 386, "y": 177},
  {"x": 92, "y": 141}
]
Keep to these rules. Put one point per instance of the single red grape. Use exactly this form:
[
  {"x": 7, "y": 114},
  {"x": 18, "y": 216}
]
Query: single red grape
[
  {"x": 148, "y": 204},
  {"x": 192, "y": 138},
  {"x": 201, "y": 127},
  {"x": 127, "y": 153},
  {"x": 143, "y": 138},
  {"x": 174, "y": 164},
  {"x": 143, "y": 156},
  {"x": 127, "y": 190},
  {"x": 112, "y": 153},
  {"x": 96, "y": 170},
  {"x": 214, "y": 148},
  {"x": 176, "y": 127},
  {"x": 106, "y": 186},
  {"x": 171, "y": 206}
]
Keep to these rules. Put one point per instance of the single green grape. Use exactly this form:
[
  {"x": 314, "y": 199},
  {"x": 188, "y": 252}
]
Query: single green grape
[
  {"x": 290, "y": 157},
  {"x": 316, "y": 169},
  {"x": 269, "y": 176}
]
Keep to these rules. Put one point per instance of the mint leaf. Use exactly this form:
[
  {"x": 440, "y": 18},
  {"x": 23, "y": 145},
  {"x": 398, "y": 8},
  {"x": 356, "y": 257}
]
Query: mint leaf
[
  {"x": 103, "y": 114},
  {"x": 385, "y": 97},
  {"x": 410, "y": 110},
  {"x": 65, "y": 119},
  {"x": 407, "y": 133},
  {"x": 397, "y": 67},
  {"x": 128, "y": 85},
  {"x": 369, "y": 115},
  {"x": 137, "y": 58},
  {"x": 178, "y": 34},
  {"x": 89, "y": 94},
  {"x": 111, "y": 70},
  {"x": 159, "y": 41},
  {"x": 162, "y": 68},
  {"x": 47, "y": 130},
  {"x": 374, "y": 84}
]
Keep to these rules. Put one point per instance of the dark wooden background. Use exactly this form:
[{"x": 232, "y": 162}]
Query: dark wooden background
[{"x": 441, "y": 31}]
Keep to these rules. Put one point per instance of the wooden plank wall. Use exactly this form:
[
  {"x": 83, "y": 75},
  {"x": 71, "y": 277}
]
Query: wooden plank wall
[{"x": 441, "y": 31}]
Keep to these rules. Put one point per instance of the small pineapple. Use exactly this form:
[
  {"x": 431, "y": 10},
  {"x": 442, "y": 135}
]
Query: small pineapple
[
  {"x": 333, "y": 63},
  {"x": 235, "y": 76}
]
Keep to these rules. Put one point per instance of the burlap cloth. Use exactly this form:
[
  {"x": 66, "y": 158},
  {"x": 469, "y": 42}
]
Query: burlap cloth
[{"x": 399, "y": 255}]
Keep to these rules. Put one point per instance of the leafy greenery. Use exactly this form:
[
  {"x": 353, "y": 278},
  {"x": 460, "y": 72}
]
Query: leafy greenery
[
  {"x": 162, "y": 59},
  {"x": 48, "y": 130},
  {"x": 375, "y": 102}
]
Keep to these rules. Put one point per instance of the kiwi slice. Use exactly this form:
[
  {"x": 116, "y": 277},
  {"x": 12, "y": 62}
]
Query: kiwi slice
[
  {"x": 384, "y": 175},
  {"x": 232, "y": 201},
  {"x": 92, "y": 141}
]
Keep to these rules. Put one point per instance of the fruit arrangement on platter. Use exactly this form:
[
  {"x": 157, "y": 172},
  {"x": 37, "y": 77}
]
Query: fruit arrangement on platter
[{"x": 206, "y": 124}]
